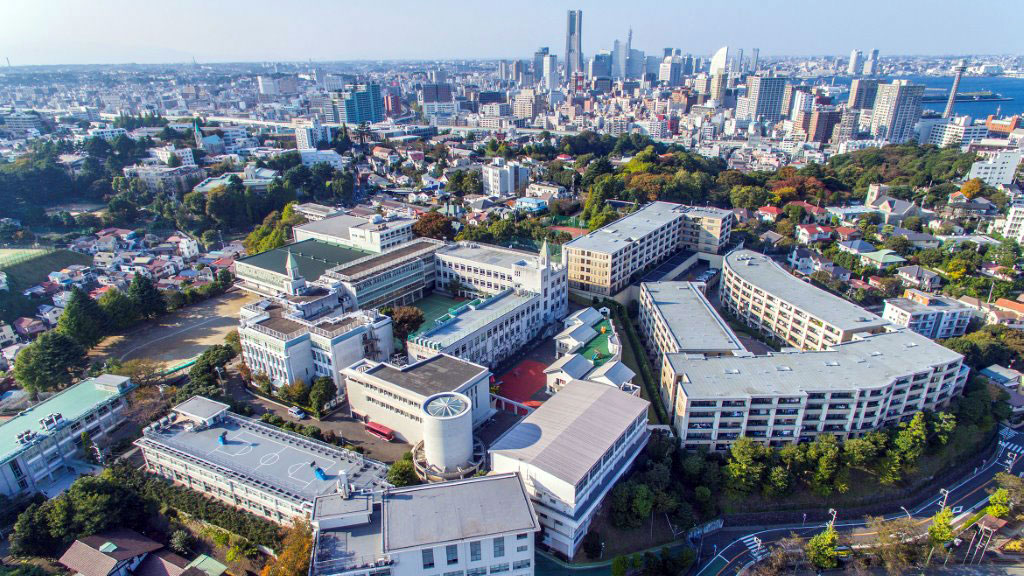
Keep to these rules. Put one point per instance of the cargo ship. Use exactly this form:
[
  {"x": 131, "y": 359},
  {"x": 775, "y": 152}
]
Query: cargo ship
[{"x": 976, "y": 96}]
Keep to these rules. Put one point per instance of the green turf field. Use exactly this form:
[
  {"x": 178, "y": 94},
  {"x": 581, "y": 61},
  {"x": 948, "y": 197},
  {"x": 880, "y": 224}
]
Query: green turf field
[
  {"x": 25, "y": 269},
  {"x": 434, "y": 306},
  {"x": 12, "y": 256}
]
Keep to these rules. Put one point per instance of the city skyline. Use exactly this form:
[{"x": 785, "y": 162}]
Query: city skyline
[{"x": 222, "y": 32}]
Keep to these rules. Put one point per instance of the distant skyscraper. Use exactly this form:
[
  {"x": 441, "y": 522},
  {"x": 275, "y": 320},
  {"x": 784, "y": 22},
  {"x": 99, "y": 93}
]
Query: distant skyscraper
[
  {"x": 871, "y": 64},
  {"x": 719, "y": 76},
  {"x": 620, "y": 56},
  {"x": 855, "y": 65},
  {"x": 600, "y": 65},
  {"x": 765, "y": 94},
  {"x": 862, "y": 94},
  {"x": 538, "y": 63},
  {"x": 718, "y": 61},
  {"x": 738, "y": 64},
  {"x": 358, "y": 103},
  {"x": 959, "y": 71},
  {"x": 551, "y": 72},
  {"x": 897, "y": 110},
  {"x": 573, "y": 43},
  {"x": 753, "y": 60},
  {"x": 670, "y": 70}
]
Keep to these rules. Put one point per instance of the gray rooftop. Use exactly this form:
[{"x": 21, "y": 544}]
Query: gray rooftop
[
  {"x": 650, "y": 217},
  {"x": 935, "y": 304},
  {"x": 474, "y": 317},
  {"x": 869, "y": 361},
  {"x": 338, "y": 226},
  {"x": 764, "y": 273},
  {"x": 692, "y": 322},
  {"x": 489, "y": 255},
  {"x": 441, "y": 373},
  {"x": 200, "y": 408},
  {"x": 436, "y": 514},
  {"x": 570, "y": 432}
]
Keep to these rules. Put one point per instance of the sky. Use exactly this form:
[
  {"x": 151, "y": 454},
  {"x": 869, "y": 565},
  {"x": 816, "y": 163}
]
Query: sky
[{"x": 154, "y": 31}]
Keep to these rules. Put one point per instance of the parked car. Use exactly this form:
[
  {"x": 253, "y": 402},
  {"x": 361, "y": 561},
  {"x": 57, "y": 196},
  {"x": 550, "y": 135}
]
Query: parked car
[{"x": 296, "y": 412}]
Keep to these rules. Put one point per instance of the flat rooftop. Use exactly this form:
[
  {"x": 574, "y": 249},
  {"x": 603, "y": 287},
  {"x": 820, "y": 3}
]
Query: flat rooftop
[
  {"x": 339, "y": 226},
  {"x": 355, "y": 268},
  {"x": 573, "y": 430},
  {"x": 650, "y": 217},
  {"x": 474, "y": 317},
  {"x": 342, "y": 549},
  {"x": 268, "y": 456},
  {"x": 935, "y": 304},
  {"x": 867, "y": 361},
  {"x": 489, "y": 255},
  {"x": 449, "y": 512},
  {"x": 441, "y": 373},
  {"x": 764, "y": 273},
  {"x": 71, "y": 403},
  {"x": 313, "y": 257},
  {"x": 692, "y": 322}
]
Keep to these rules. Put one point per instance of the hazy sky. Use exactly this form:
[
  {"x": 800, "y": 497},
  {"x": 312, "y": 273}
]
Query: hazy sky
[{"x": 115, "y": 31}]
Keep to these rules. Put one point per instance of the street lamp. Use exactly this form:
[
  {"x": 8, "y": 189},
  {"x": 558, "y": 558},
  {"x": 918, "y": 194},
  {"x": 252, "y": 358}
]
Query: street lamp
[
  {"x": 833, "y": 512},
  {"x": 945, "y": 495},
  {"x": 907, "y": 511}
]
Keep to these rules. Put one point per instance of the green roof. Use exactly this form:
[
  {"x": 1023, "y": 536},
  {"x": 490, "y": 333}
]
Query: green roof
[
  {"x": 71, "y": 404},
  {"x": 312, "y": 256},
  {"x": 208, "y": 565},
  {"x": 599, "y": 344}
]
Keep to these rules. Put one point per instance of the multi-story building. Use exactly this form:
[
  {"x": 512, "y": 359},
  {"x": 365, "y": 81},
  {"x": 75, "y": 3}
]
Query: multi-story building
[
  {"x": 765, "y": 94},
  {"x": 437, "y": 100},
  {"x": 676, "y": 318},
  {"x": 470, "y": 269},
  {"x": 847, "y": 390},
  {"x": 823, "y": 123},
  {"x": 254, "y": 466},
  {"x": 573, "y": 44},
  {"x": 998, "y": 169},
  {"x": 374, "y": 234},
  {"x": 471, "y": 527},
  {"x": 162, "y": 178},
  {"x": 856, "y": 64},
  {"x": 307, "y": 336},
  {"x": 862, "y": 94},
  {"x": 943, "y": 132},
  {"x": 929, "y": 315},
  {"x": 356, "y": 104},
  {"x": 288, "y": 269},
  {"x": 1014, "y": 226},
  {"x": 503, "y": 178},
  {"x": 897, "y": 110},
  {"x": 42, "y": 446},
  {"x": 571, "y": 451},
  {"x": 606, "y": 260},
  {"x": 397, "y": 277},
  {"x": 108, "y": 134},
  {"x": 527, "y": 104},
  {"x": 486, "y": 330},
  {"x": 763, "y": 295},
  {"x": 165, "y": 153},
  {"x": 309, "y": 133},
  {"x": 25, "y": 122}
]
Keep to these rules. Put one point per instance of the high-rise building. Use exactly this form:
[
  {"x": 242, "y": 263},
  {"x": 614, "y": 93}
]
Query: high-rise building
[
  {"x": 526, "y": 104},
  {"x": 550, "y": 73},
  {"x": 538, "y": 63},
  {"x": 788, "y": 95},
  {"x": 719, "y": 75},
  {"x": 959, "y": 71},
  {"x": 871, "y": 64},
  {"x": 823, "y": 122},
  {"x": 753, "y": 60},
  {"x": 897, "y": 110},
  {"x": 573, "y": 43},
  {"x": 437, "y": 100},
  {"x": 737, "y": 64},
  {"x": 670, "y": 70},
  {"x": 856, "y": 63},
  {"x": 356, "y": 104},
  {"x": 600, "y": 65},
  {"x": 862, "y": 93},
  {"x": 765, "y": 93}
]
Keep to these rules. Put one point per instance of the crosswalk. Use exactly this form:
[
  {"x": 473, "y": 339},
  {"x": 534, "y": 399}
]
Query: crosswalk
[
  {"x": 1012, "y": 446},
  {"x": 1007, "y": 433},
  {"x": 758, "y": 550}
]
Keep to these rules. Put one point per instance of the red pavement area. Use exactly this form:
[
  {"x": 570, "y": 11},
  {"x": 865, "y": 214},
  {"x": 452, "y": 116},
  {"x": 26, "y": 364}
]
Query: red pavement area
[
  {"x": 523, "y": 381},
  {"x": 574, "y": 232}
]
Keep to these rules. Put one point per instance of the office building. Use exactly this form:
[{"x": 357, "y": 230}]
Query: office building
[
  {"x": 573, "y": 44},
  {"x": 505, "y": 178},
  {"x": 356, "y": 104},
  {"x": 676, "y": 318},
  {"x": 929, "y": 315},
  {"x": 896, "y": 111},
  {"x": 998, "y": 169},
  {"x": 437, "y": 100},
  {"x": 538, "y": 63},
  {"x": 469, "y": 269},
  {"x": 763, "y": 295},
  {"x": 471, "y": 527},
  {"x": 270, "y": 472},
  {"x": 373, "y": 234},
  {"x": 670, "y": 70},
  {"x": 308, "y": 336},
  {"x": 862, "y": 94},
  {"x": 549, "y": 73},
  {"x": 527, "y": 104},
  {"x": 573, "y": 448},
  {"x": 600, "y": 65},
  {"x": 42, "y": 446},
  {"x": 608, "y": 259},
  {"x": 847, "y": 390},
  {"x": 765, "y": 94},
  {"x": 856, "y": 64},
  {"x": 309, "y": 133}
]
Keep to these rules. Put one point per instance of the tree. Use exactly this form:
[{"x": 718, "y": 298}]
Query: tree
[
  {"x": 620, "y": 565},
  {"x": 403, "y": 472},
  {"x": 746, "y": 465},
  {"x": 173, "y": 160},
  {"x": 296, "y": 391},
  {"x": 321, "y": 392},
  {"x": 144, "y": 372},
  {"x": 821, "y": 549},
  {"x": 296, "y": 549},
  {"x": 899, "y": 244},
  {"x": 149, "y": 302},
  {"x": 49, "y": 363},
  {"x": 894, "y": 542},
  {"x": 181, "y": 541},
  {"x": 88, "y": 448},
  {"x": 999, "y": 503},
  {"x": 434, "y": 225},
  {"x": 119, "y": 309},
  {"x": 972, "y": 187},
  {"x": 83, "y": 319},
  {"x": 632, "y": 503},
  {"x": 941, "y": 529},
  {"x": 405, "y": 320},
  {"x": 911, "y": 440}
]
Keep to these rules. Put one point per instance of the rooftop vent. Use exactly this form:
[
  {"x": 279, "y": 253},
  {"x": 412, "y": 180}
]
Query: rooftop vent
[
  {"x": 831, "y": 363},
  {"x": 783, "y": 368},
  {"x": 108, "y": 547},
  {"x": 732, "y": 370}
]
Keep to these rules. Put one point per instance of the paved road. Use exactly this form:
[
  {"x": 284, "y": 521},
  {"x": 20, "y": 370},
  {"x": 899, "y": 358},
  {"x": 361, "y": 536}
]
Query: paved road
[{"x": 732, "y": 550}]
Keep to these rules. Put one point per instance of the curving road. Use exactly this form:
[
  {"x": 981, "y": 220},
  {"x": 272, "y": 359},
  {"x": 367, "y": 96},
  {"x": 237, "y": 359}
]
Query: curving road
[{"x": 964, "y": 498}]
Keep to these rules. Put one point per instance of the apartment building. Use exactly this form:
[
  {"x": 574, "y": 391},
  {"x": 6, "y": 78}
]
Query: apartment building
[
  {"x": 162, "y": 178},
  {"x": 504, "y": 178},
  {"x": 472, "y": 527},
  {"x": 470, "y": 269},
  {"x": 676, "y": 318},
  {"x": 254, "y": 466},
  {"x": 308, "y": 336},
  {"x": 570, "y": 452},
  {"x": 42, "y": 445},
  {"x": 998, "y": 169},
  {"x": 374, "y": 234},
  {"x": 929, "y": 315},
  {"x": 606, "y": 260},
  {"x": 485, "y": 330},
  {"x": 1014, "y": 225},
  {"x": 853, "y": 387},
  {"x": 763, "y": 295}
]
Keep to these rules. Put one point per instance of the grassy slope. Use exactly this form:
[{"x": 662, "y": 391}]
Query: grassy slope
[{"x": 26, "y": 274}]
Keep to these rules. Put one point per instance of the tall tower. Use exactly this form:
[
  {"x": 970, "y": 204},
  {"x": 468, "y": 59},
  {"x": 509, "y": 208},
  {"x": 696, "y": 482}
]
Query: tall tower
[
  {"x": 753, "y": 60},
  {"x": 959, "y": 70},
  {"x": 856, "y": 65},
  {"x": 573, "y": 43}
]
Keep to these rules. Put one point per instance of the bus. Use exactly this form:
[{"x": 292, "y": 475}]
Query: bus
[{"x": 380, "y": 431}]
